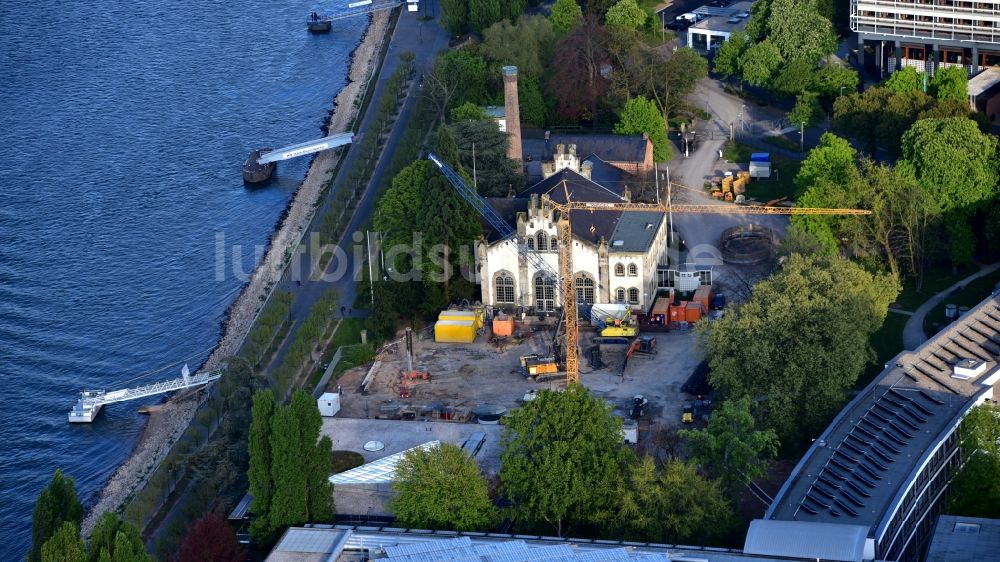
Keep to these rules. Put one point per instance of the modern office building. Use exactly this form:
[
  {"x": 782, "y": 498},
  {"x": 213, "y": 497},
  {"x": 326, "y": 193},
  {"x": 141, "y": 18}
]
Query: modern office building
[
  {"x": 927, "y": 34},
  {"x": 885, "y": 462}
]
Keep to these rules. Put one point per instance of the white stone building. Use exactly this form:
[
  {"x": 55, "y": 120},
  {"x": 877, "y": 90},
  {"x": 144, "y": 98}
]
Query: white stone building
[{"x": 615, "y": 255}]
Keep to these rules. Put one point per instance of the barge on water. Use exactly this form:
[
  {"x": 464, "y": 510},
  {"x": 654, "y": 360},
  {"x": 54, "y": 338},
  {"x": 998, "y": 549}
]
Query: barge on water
[
  {"x": 318, "y": 23},
  {"x": 255, "y": 173}
]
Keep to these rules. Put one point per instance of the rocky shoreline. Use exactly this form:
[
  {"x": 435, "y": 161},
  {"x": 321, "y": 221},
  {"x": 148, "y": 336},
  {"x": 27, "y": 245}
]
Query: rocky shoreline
[{"x": 167, "y": 424}]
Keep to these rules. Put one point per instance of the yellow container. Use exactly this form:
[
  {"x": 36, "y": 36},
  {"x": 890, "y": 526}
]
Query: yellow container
[
  {"x": 475, "y": 315},
  {"x": 455, "y": 331}
]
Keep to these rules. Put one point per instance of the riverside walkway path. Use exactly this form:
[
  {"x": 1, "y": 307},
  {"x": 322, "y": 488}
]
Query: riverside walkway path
[{"x": 913, "y": 331}]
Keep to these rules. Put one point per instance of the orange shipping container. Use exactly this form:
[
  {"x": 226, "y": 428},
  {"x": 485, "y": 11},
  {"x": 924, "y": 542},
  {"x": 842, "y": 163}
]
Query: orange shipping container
[
  {"x": 503, "y": 326},
  {"x": 677, "y": 312},
  {"x": 661, "y": 306},
  {"x": 703, "y": 295},
  {"x": 692, "y": 312}
]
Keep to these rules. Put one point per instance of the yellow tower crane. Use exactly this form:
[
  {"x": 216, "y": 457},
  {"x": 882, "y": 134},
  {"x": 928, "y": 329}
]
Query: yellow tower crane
[{"x": 565, "y": 274}]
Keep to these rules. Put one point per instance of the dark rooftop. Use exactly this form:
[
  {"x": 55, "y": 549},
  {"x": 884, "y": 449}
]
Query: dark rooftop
[
  {"x": 610, "y": 148},
  {"x": 857, "y": 471},
  {"x": 591, "y": 226},
  {"x": 957, "y": 539}
]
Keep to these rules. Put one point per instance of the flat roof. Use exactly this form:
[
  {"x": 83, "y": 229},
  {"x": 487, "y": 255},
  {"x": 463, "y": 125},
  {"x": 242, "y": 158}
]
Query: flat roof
[
  {"x": 398, "y": 544},
  {"x": 984, "y": 81},
  {"x": 857, "y": 471},
  {"x": 724, "y": 19},
  {"x": 957, "y": 539},
  {"x": 300, "y": 544},
  {"x": 382, "y": 471},
  {"x": 803, "y": 539}
]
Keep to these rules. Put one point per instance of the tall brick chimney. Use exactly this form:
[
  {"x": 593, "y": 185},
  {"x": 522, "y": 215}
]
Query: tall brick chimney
[{"x": 512, "y": 112}]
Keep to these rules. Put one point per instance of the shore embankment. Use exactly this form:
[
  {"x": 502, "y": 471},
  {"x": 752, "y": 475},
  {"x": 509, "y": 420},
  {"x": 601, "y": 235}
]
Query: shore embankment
[{"x": 166, "y": 424}]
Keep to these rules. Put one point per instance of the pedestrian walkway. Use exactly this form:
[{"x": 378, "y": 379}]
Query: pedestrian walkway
[{"x": 913, "y": 332}]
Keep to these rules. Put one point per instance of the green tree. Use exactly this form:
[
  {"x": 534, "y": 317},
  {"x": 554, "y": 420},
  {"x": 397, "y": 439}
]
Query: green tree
[
  {"x": 526, "y": 44},
  {"x": 626, "y": 13},
  {"x": 731, "y": 448},
  {"x": 906, "y": 79},
  {"x": 116, "y": 540},
  {"x": 495, "y": 174},
  {"x": 642, "y": 116},
  {"x": 957, "y": 163},
  {"x": 65, "y": 545},
  {"x": 728, "y": 59},
  {"x": 950, "y": 83},
  {"x": 597, "y": 7},
  {"x": 674, "y": 504},
  {"x": 454, "y": 15},
  {"x": 468, "y": 110},
  {"x": 878, "y": 117},
  {"x": 829, "y": 79},
  {"x": 975, "y": 491},
  {"x": 529, "y": 96},
  {"x": 442, "y": 488},
  {"x": 760, "y": 63},
  {"x": 261, "y": 485},
  {"x": 288, "y": 502},
  {"x": 562, "y": 459},
  {"x": 794, "y": 77},
  {"x": 456, "y": 77},
  {"x": 565, "y": 15},
  {"x": 315, "y": 453},
  {"x": 833, "y": 158},
  {"x": 807, "y": 110},
  {"x": 798, "y": 30},
  {"x": 484, "y": 13},
  {"x": 57, "y": 504},
  {"x": 810, "y": 324},
  {"x": 577, "y": 80}
]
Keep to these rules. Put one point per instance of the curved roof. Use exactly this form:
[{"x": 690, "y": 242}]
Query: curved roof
[{"x": 806, "y": 539}]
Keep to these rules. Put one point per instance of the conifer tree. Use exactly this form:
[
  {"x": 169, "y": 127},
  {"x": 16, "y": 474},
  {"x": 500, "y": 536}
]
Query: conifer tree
[{"x": 56, "y": 505}]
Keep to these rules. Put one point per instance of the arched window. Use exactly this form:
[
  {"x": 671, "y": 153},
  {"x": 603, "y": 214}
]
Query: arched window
[
  {"x": 531, "y": 243},
  {"x": 633, "y": 296},
  {"x": 554, "y": 243},
  {"x": 619, "y": 270},
  {"x": 545, "y": 294},
  {"x": 504, "y": 287},
  {"x": 542, "y": 239},
  {"x": 620, "y": 296},
  {"x": 633, "y": 270},
  {"x": 584, "y": 289}
]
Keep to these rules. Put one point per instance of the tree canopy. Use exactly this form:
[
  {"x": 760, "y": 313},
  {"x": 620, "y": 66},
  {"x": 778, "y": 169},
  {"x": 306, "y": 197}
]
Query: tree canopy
[
  {"x": 454, "y": 15},
  {"x": 56, "y": 504},
  {"x": 116, "y": 540},
  {"x": 642, "y": 116},
  {"x": 285, "y": 440},
  {"x": 906, "y": 79},
  {"x": 798, "y": 30},
  {"x": 673, "y": 504},
  {"x": 951, "y": 83},
  {"x": 562, "y": 459},
  {"x": 800, "y": 342},
  {"x": 565, "y": 15},
  {"x": 975, "y": 491},
  {"x": 731, "y": 449},
  {"x": 626, "y": 13},
  {"x": 526, "y": 44},
  {"x": 760, "y": 62},
  {"x": 958, "y": 165},
  {"x": 577, "y": 80},
  {"x": 442, "y": 488},
  {"x": 65, "y": 545},
  {"x": 210, "y": 538}
]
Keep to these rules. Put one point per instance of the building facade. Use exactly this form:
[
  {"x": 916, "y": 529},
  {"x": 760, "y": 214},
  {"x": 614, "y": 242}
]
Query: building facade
[
  {"x": 615, "y": 255},
  {"x": 927, "y": 34}
]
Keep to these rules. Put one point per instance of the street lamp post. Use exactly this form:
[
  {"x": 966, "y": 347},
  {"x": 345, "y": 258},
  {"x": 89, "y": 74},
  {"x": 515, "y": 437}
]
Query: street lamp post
[
  {"x": 842, "y": 90},
  {"x": 802, "y": 137}
]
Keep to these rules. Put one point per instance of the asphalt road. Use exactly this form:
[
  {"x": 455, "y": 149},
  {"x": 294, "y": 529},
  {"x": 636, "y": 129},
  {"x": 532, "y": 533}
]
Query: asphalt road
[{"x": 424, "y": 39}]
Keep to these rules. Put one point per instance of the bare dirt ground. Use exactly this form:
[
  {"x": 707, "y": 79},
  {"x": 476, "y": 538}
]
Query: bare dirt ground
[{"x": 467, "y": 375}]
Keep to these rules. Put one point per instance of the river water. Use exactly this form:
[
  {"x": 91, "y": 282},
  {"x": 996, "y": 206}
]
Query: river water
[{"x": 124, "y": 126}]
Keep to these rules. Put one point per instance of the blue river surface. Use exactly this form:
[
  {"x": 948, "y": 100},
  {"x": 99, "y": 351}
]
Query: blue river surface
[{"x": 124, "y": 126}]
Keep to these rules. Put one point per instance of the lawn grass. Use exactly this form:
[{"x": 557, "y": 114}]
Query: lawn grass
[
  {"x": 970, "y": 295},
  {"x": 887, "y": 341},
  {"x": 783, "y": 172},
  {"x": 935, "y": 281},
  {"x": 341, "y": 461},
  {"x": 354, "y": 356}
]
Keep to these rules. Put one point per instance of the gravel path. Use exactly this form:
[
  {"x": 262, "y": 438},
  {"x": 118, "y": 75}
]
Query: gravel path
[{"x": 167, "y": 424}]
